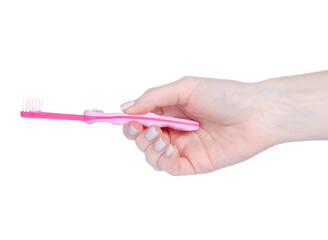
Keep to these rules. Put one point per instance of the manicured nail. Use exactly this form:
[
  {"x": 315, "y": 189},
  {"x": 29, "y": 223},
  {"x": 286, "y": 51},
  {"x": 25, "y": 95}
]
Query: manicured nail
[
  {"x": 151, "y": 133},
  {"x": 127, "y": 105},
  {"x": 169, "y": 150},
  {"x": 159, "y": 145},
  {"x": 132, "y": 131}
]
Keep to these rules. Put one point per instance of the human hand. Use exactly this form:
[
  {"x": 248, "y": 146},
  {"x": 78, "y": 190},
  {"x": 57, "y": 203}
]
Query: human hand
[
  {"x": 237, "y": 120},
  {"x": 231, "y": 128}
]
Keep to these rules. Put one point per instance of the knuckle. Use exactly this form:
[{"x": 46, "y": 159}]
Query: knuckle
[
  {"x": 149, "y": 91},
  {"x": 139, "y": 144},
  {"x": 187, "y": 79},
  {"x": 152, "y": 159},
  {"x": 172, "y": 172},
  {"x": 171, "y": 169},
  {"x": 149, "y": 158}
]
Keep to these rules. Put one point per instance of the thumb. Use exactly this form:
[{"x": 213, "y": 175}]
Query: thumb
[{"x": 175, "y": 93}]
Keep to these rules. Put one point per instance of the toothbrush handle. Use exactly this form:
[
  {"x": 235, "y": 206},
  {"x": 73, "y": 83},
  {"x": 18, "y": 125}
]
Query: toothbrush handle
[{"x": 145, "y": 119}]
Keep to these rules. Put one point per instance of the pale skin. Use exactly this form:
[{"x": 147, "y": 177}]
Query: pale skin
[{"x": 237, "y": 120}]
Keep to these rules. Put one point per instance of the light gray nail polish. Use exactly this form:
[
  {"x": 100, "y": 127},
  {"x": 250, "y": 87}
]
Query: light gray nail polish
[
  {"x": 127, "y": 105},
  {"x": 151, "y": 133},
  {"x": 132, "y": 131},
  {"x": 159, "y": 145},
  {"x": 169, "y": 150}
]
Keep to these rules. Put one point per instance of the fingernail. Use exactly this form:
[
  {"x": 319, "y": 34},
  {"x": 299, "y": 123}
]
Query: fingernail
[
  {"x": 127, "y": 105},
  {"x": 169, "y": 150},
  {"x": 132, "y": 131},
  {"x": 151, "y": 133},
  {"x": 159, "y": 145}
]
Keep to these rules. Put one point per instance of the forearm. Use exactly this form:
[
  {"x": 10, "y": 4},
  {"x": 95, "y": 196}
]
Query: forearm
[{"x": 295, "y": 108}]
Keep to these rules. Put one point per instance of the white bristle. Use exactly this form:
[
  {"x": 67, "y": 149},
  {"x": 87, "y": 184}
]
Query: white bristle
[{"x": 32, "y": 105}]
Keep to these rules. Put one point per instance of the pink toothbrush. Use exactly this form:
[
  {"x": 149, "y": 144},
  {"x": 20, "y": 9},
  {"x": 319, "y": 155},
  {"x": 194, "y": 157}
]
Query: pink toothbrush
[{"x": 32, "y": 108}]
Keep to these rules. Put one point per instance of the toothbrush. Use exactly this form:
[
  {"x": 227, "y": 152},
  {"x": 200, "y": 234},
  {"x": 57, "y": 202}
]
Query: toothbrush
[{"x": 32, "y": 108}]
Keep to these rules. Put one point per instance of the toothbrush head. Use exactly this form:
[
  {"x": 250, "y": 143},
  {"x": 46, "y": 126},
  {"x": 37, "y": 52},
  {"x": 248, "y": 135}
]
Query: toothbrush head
[
  {"x": 32, "y": 108},
  {"x": 32, "y": 105}
]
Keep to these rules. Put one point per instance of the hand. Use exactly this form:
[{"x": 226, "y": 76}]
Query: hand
[
  {"x": 231, "y": 127},
  {"x": 237, "y": 120}
]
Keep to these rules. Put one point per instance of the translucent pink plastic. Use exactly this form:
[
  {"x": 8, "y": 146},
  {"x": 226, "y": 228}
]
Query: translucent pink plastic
[{"x": 120, "y": 119}]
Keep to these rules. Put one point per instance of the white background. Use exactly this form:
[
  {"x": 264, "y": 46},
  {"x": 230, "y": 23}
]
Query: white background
[{"x": 68, "y": 180}]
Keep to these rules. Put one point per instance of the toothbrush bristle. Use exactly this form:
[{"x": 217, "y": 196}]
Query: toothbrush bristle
[{"x": 32, "y": 105}]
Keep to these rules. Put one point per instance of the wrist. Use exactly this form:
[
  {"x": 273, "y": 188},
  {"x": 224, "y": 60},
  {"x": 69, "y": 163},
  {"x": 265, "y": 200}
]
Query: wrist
[{"x": 294, "y": 108}]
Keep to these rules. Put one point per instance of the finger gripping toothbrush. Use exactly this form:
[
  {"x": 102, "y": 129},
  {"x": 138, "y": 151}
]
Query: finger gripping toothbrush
[{"x": 32, "y": 108}]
